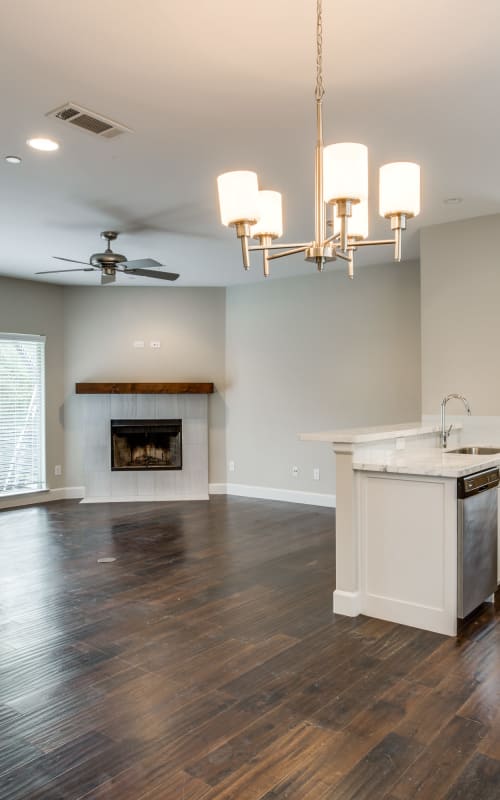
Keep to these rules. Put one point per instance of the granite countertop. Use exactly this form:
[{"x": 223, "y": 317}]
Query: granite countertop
[
  {"x": 416, "y": 459},
  {"x": 425, "y": 461}
]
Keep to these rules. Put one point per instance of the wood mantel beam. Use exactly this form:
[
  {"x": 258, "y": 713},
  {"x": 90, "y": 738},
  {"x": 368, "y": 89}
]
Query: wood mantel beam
[{"x": 144, "y": 388}]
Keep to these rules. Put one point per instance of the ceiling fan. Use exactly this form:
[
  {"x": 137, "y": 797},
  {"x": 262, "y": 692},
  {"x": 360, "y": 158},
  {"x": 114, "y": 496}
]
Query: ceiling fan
[{"x": 110, "y": 263}]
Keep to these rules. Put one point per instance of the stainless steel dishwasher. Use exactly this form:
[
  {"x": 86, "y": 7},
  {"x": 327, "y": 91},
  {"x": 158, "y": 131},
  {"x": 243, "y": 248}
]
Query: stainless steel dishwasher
[{"x": 477, "y": 539}]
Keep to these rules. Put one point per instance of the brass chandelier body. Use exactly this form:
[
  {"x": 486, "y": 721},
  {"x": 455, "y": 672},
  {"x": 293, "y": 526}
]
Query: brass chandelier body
[{"x": 399, "y": 201}]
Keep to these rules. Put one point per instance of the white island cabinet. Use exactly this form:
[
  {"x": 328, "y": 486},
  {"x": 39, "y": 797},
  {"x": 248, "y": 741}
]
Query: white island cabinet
[{"x": 396, "y": 523}]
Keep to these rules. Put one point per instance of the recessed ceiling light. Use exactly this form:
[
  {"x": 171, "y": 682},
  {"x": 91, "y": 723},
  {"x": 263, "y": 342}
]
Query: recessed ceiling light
[
  {"x": 13, "y": 159},
  {"x": 453, "y": 201},
  {"x": 46, "y": 145}
]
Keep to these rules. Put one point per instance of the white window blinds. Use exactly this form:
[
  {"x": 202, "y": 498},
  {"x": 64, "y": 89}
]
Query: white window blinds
[{"x": 22, "y": 413}]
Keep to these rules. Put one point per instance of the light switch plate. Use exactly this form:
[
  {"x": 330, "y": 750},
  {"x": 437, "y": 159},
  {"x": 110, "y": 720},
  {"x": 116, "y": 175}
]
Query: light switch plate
[{"x": 138, "y": 344}]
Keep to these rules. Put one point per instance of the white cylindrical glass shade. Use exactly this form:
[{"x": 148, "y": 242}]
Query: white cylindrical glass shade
[
  {"x": 345, "y": 172},
  {"x": 357, "y": 224},
  {"x": 399, "y": 189},
  {"x": 238, "y": 197},
  {"x": 271, "y": 215}
]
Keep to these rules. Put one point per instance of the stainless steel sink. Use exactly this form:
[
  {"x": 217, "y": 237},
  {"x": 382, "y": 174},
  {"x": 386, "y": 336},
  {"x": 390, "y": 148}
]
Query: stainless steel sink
[{"x": 476, "y": 451}]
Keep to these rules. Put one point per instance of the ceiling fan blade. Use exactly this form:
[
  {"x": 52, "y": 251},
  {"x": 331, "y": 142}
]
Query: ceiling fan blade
[
  {"x": 53, "y": 271},
  {"x": 142, "y": 263},
  {"x": 73, "y": 260},
  {"x": 151, "y": 273},
  {"x": 107, "y": 278}
]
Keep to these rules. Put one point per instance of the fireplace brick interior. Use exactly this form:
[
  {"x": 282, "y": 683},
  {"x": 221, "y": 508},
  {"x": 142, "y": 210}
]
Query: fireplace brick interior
[{"x": 146, "y": 444}]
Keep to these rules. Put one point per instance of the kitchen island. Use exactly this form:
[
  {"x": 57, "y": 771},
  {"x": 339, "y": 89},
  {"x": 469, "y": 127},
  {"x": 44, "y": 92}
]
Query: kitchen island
[{"x": 396, "y": 523}]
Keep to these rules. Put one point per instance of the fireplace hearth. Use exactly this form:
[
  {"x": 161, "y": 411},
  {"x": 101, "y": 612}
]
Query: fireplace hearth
[{"x": 146, "y": 444}]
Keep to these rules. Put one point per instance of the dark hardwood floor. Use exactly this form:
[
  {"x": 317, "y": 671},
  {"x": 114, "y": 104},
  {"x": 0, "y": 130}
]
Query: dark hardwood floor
[{"x": 205, "y": 663}]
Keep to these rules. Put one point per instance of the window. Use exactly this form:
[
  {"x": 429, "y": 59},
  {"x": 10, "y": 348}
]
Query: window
[{"x": 22, "y": 413}]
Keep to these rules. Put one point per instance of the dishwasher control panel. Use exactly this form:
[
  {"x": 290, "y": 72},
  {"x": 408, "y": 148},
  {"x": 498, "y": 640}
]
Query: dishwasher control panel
[{"x": 479, "y": 482}]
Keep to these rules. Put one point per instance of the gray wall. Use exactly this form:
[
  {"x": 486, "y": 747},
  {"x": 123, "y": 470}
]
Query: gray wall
[
  {"x": 30, "y": 307},
  {"x": 317, "y": 353},
  {"x": 101, "y": 325},
  {"x": 460, "y": 275},
  {"x": 311, "y": 353}
]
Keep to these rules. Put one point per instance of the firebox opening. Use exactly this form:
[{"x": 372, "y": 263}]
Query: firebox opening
[{"x": 142, "y": 444}]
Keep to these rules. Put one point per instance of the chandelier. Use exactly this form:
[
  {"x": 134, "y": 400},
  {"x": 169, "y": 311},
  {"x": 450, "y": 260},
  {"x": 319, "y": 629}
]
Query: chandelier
[{"x": 340, "y": 193}]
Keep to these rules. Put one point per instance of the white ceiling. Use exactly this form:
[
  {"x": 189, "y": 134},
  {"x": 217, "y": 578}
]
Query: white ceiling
[{"x": 224, "y": 84}]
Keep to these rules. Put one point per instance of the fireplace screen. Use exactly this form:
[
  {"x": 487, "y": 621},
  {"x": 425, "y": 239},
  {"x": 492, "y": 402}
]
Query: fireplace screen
[{"x": 146, "y": 444}]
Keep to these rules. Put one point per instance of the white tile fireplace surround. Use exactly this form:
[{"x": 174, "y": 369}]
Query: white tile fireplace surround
[{"x": 103, "y": 485}]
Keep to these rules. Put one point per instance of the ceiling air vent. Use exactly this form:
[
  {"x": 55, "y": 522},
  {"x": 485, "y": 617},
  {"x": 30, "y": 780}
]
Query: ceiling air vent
[{"x": 88, "y": 120}]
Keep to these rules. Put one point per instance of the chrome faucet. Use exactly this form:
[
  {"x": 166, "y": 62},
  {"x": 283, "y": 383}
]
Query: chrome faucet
[{"x": 446, "y": 432}]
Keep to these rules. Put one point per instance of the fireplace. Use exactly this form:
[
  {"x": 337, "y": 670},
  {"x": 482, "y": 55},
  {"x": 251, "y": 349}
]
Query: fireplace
[{"x": 146, "y": 444}]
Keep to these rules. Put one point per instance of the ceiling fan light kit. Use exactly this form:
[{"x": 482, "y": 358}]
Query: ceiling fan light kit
[
  {"x": 341, "y": 186},
  {"x": 109, "y": 263}
]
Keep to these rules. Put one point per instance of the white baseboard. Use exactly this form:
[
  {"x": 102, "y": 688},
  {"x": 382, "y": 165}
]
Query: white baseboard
[
  {"x": 47, "y": 496},
  {"x": 72, "y": 492},
  {"x": 144, "y": 499},
  {"x": 236, "y": 489},
  {"x": 440, "y": 620},
  {"x": 346, "y": 603},
  {"x": 267, "y": 493},
  {"x": 217, "y": 488}
]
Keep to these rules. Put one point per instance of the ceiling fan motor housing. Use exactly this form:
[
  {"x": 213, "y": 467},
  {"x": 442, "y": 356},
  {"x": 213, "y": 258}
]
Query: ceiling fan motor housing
[{"x": 107, "y": 259}]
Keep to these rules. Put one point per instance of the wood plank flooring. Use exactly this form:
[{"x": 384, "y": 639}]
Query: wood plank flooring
[{"x": 205, "y": 663}]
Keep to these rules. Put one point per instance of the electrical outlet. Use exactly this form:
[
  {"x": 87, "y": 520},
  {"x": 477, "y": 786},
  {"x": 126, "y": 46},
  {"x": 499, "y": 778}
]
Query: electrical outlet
[
  {"x": 295, "y": 472},
  {"x": 155, "y": 344},
  {"x": 57, "y": 469},
  {"x": 316, "y": 474},
  {"x": 138, "y": 344},
  {"x": 231, "y": 466},
  {"x": 400, "y": 444}
]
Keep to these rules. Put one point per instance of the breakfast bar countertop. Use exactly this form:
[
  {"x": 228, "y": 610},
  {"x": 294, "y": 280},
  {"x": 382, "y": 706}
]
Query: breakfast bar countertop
[{"x": 372, "y": 434}]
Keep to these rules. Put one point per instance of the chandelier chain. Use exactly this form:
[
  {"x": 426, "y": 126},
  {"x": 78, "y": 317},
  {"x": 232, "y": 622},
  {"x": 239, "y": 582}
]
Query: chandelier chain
[{"x": 320, "y": 89}]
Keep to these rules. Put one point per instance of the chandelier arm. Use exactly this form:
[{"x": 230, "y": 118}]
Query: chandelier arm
[
  {"x": 288, "y": 253},
  {"x": 370, "y": 242},
  {"x": 333, "y": 238},
  {"x": 281, "y": 245}
]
